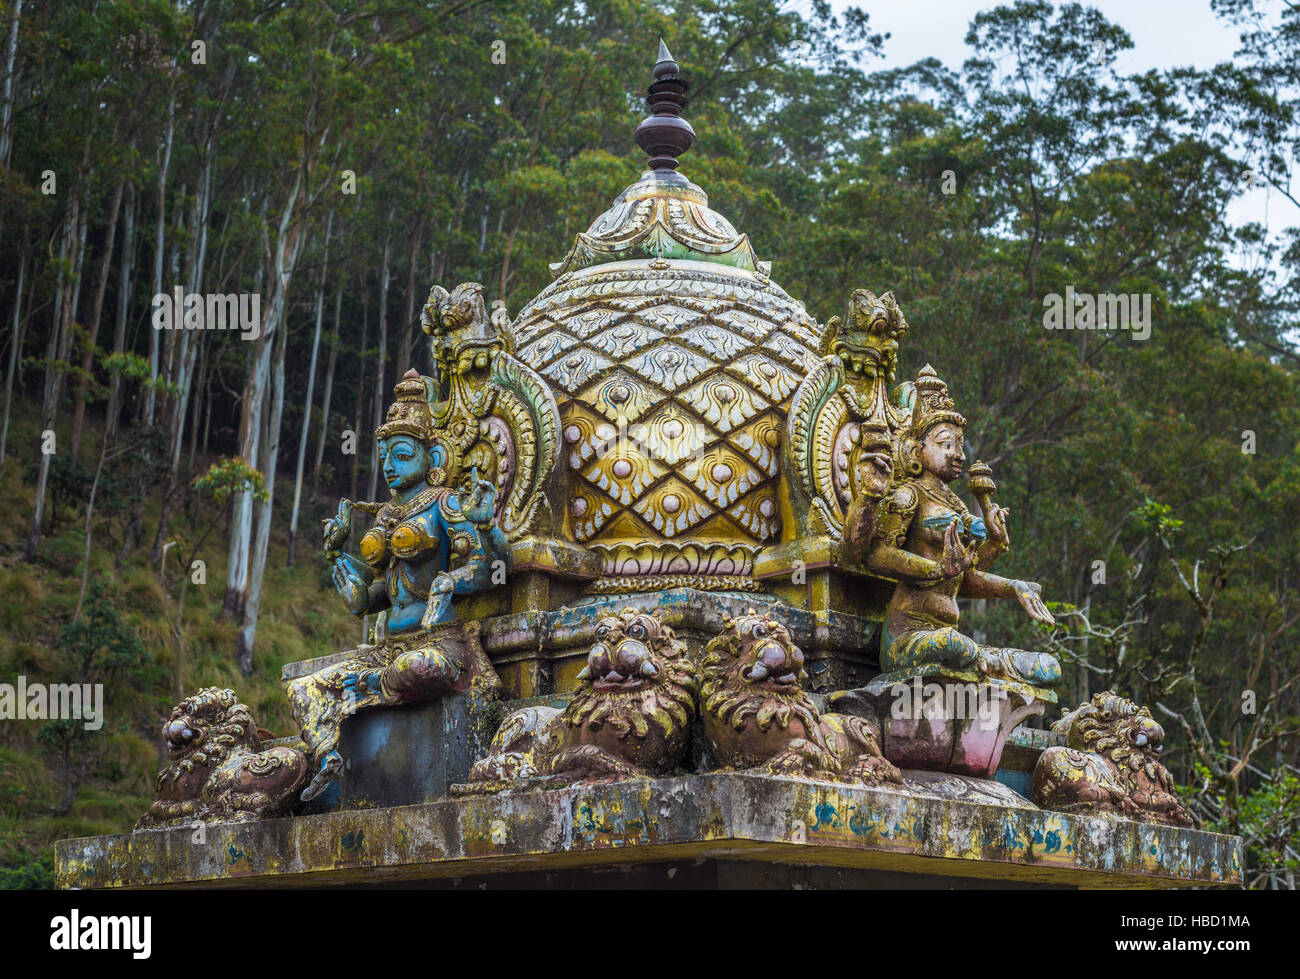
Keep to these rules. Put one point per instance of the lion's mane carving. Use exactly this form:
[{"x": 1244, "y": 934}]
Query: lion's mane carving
[
  {"x": 217, "y": 773},
  {"x": 630, "y": 716},
  {"x": 758, "y": 716},
  {"x": 1111, "y": 763}
]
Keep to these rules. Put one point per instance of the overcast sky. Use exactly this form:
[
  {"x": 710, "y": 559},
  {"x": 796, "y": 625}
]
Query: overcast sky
[{"x": 1165, "y": 33}]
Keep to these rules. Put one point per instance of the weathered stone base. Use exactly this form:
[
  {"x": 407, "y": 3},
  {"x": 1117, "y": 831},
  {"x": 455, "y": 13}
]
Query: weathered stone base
[{"x": 724, "y": 817}]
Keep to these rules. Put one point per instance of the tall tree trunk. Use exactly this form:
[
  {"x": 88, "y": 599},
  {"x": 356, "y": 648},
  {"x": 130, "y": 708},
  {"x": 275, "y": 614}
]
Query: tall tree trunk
[
  {"x": 241, "y": 519},
  {"x": 404, "y": 343},
  {"x": 187, "y": 343},
  {"x": 329, "y": 391},
  {"x": 281, "y": 262},
  {"x": 503, "y": 291},
  {"x": 90, "y": 516},
  {"x": 265, "y": 508},
  {"x": 15, "y": 347},
  {"x": 380, "y": 392},
  {"x": 49, "y": 388},
  {"x": 361, "y": 385},
  {"x": 7, "y": 100},
  {"x": 70, "y": 307},
  {"x": 159, "y": 250},
  {"x": 123, "y": 307},
  {"x": 304, "y": 437},
  {"x": 96, "y": 311},
  {"x": 202, "y": 376}
]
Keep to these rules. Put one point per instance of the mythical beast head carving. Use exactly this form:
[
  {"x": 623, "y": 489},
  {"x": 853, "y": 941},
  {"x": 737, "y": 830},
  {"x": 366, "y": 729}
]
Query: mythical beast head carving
[
  {"x": 216, "y": 771},
  {"x": 758, "y": 716},
  {"x": 638, "y": 690},
  {"x": 1111, "y": 763}
]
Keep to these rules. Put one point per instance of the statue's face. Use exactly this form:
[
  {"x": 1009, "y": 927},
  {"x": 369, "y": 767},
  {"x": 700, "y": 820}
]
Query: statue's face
[
  {"x": 405, "y": 461},
  {"x": 943, "y": 450}
]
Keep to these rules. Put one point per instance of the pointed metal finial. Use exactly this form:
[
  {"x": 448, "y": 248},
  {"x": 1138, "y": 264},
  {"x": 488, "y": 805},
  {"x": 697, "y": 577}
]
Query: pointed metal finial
[
  {"x": 665, "y": 135},
  {"x": 665, "y": 66}
]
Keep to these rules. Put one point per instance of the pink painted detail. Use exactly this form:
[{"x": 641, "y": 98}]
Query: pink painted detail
[
  {"x": 844, "y": 440},
  {"x": 952, "y": 743},
  {"x": 499, "y": 432}
]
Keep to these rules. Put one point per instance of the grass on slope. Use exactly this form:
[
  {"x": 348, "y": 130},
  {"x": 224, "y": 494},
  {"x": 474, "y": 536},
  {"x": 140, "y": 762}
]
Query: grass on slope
[{"x": 300, "y": 617}]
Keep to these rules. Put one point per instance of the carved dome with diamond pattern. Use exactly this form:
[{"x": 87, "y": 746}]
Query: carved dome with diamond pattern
[{"x": 673, "y": 359}]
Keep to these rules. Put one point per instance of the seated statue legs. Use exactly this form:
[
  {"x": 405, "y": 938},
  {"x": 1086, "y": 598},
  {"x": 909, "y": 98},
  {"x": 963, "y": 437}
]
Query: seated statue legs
[
  {"x": 402, "y": 670},
  {"x": 948, "y": 647}
]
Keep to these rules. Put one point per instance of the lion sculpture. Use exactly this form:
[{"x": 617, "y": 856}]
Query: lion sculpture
[
  {"x": 217, "y": 772},
  {"x": 630, "y": 716},
  {"x": 1110, "y": 763},
  {"x": 758, "y": 716}
]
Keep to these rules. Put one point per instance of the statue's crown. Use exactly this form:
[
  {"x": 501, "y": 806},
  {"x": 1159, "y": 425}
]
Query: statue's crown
[
  {"x": 932, "y": 406},
  {"x": 410, "y": 413}
]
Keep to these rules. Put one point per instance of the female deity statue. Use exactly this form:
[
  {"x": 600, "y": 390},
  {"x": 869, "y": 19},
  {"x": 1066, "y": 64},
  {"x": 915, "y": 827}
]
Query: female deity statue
[
  {"x": 926, "y": 539},
  {"x": 428, "y": 543}
]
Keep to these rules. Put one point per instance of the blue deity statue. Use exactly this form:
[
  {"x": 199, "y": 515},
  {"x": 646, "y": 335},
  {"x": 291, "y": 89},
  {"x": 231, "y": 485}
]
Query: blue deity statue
[{"x": 430, "y": 542}]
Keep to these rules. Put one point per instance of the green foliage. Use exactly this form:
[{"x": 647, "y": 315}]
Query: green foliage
[
  {"x": 27, "y": 874},
  {"x": 101, "y": 647},
  {"x": 228, "y": 476},
  {"x": 67, "y": 486}
]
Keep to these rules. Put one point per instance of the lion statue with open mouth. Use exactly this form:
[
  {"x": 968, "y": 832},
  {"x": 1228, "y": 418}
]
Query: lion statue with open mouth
[
  {"x": 630, "y": 716},
  {"x": 1110, "y": 763},
  {"x": 217, "y": 771},
  {"x": 758, "y": 716}
]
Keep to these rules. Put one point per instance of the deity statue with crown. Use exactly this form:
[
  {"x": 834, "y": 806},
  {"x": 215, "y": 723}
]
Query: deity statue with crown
[
  {"x": 929, "y": 541},
  {"x": 920, "y": 534},
  {"x": 431, "y": 541}
]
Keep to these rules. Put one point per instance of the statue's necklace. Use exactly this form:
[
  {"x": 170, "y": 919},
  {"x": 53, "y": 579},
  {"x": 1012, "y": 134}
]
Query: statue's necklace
[
  {"x": 944, "y": 496},
  {"x": 394, "y": 513}
]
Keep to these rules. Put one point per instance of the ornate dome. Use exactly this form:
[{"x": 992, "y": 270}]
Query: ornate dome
[{"x": 673, "y": 359}]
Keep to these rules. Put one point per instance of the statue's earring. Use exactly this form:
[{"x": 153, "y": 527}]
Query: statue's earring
[{"x": 436, "y": 476}]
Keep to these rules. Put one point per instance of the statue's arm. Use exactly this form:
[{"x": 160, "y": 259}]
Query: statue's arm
[
  {"x": 985, "y": 584},
  {"x": 468, "y": 567},
  {"x": 982, "y": 584},
  {"x": 898, "y": 563},
  {"x": 356, "y": 584},
  {"x": 989, "y": 551},
  {"x": 378, "y": 598},
  {"x": 860, "y": 520},
  {"x": 998, "y": 541},
  {"x": 886, "y": 554},
  {"x": 476, "y": 544}
]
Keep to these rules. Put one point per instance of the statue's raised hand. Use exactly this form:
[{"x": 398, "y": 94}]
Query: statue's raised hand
[
  {"x": 439, "y": 599},
  {"x": 872, "y": 476},
  {"x": 1029, "y": 595},
  {"x": 997, "y": 525},
  {"x": 956, "y": 557},
  {"x": 338, "y": 527},
  {"x": 351, "y": 586},
  {"x": 481, "y": 500}
]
